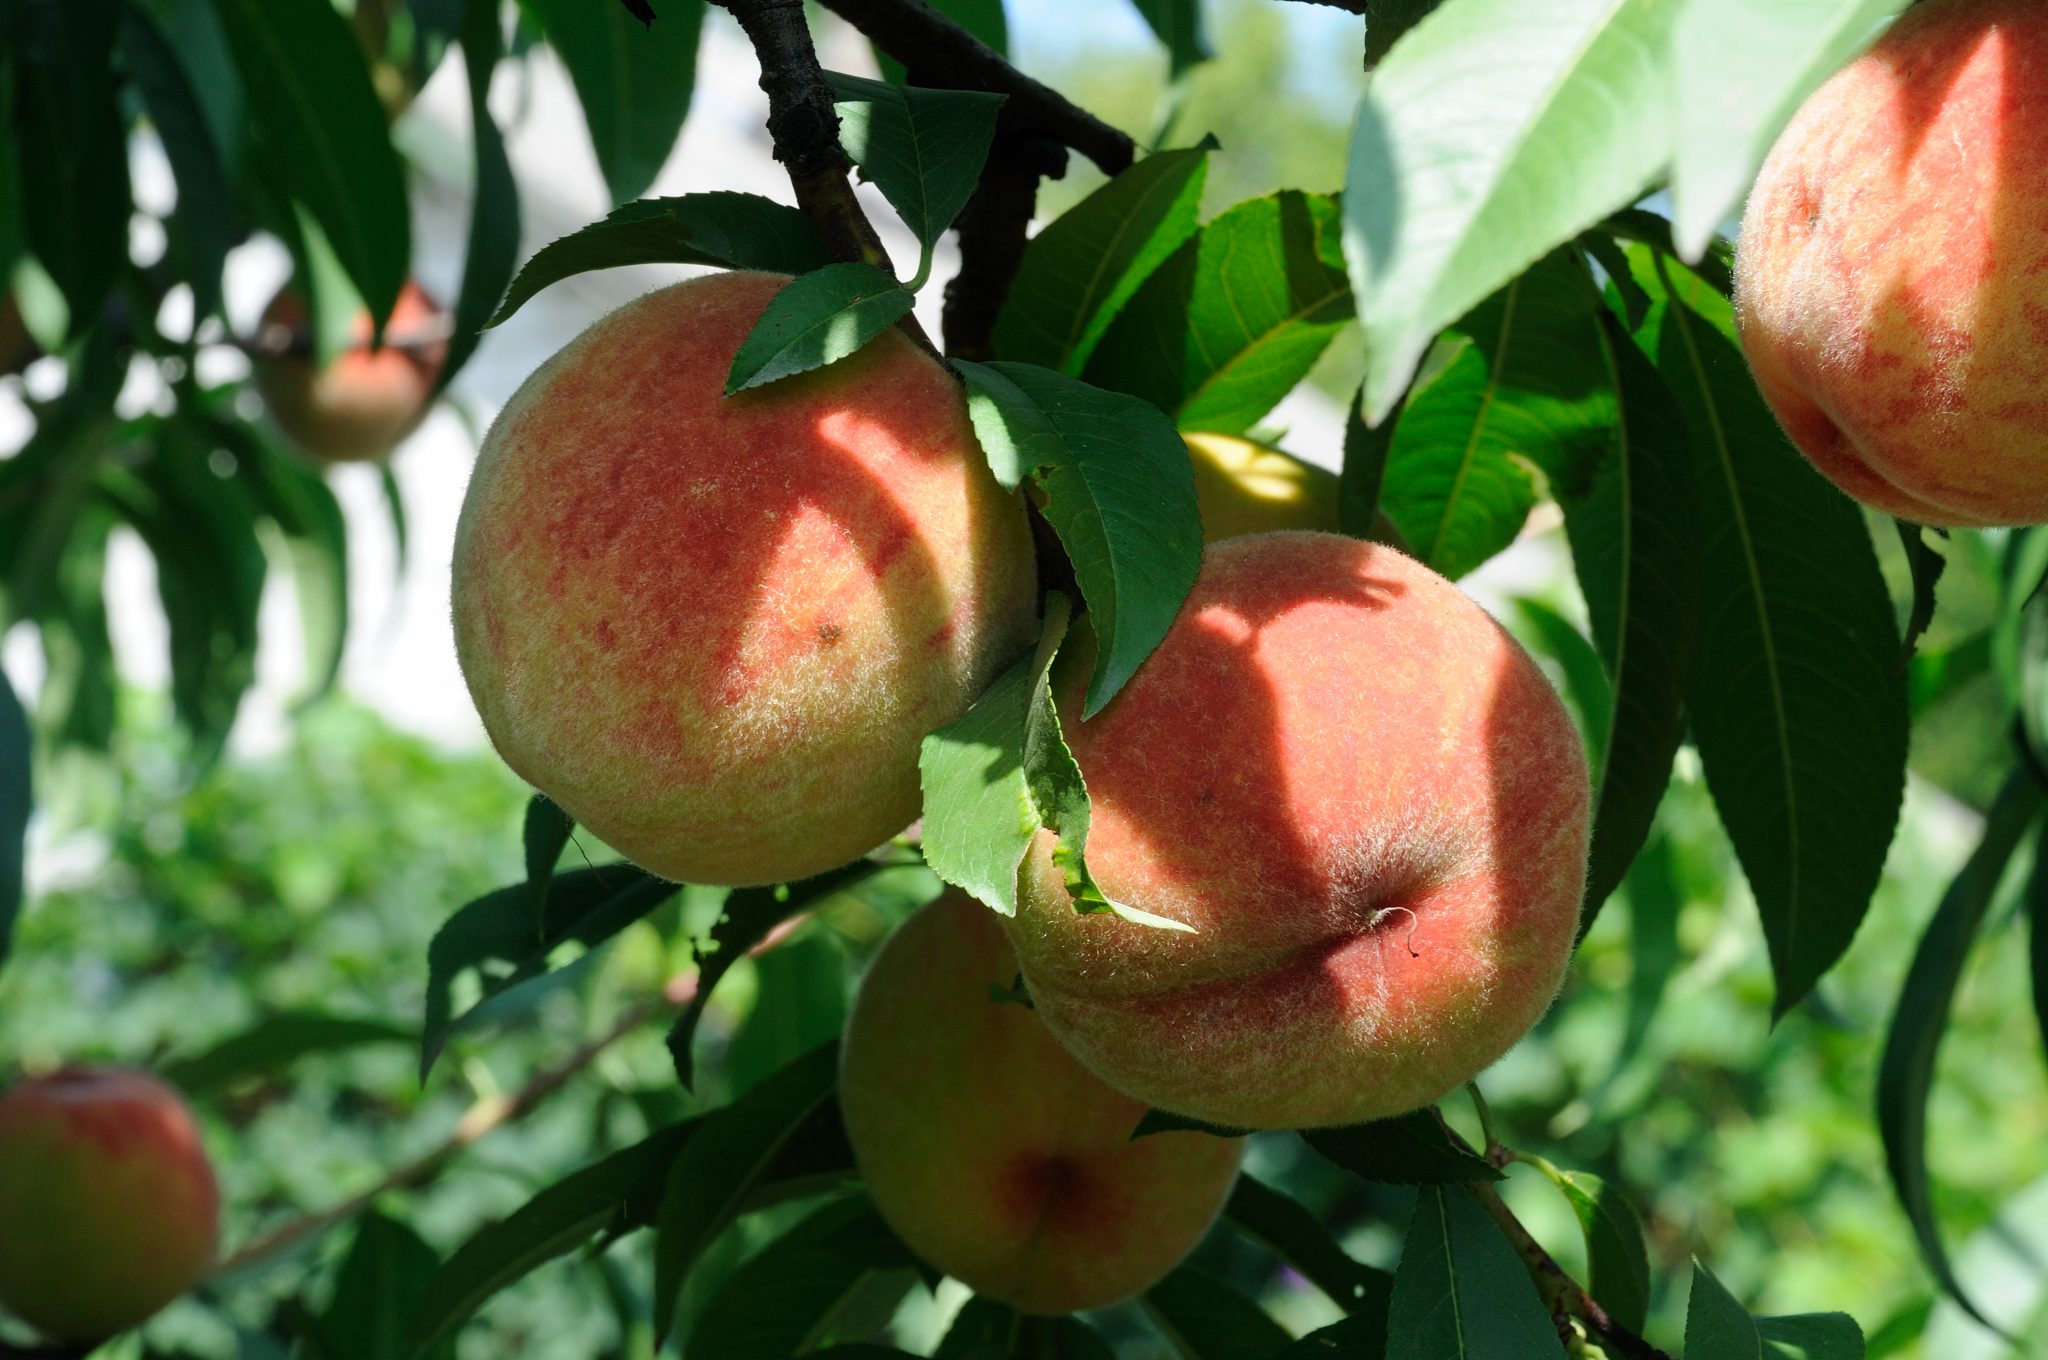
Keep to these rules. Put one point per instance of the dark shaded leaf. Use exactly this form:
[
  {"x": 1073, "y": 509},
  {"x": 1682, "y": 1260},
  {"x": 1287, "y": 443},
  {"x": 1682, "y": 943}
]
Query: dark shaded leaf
[
  {"x": 1797, "y": 701},
  {"x": 544, "y": 836},
  {"x": 1634, "y": 537},
  {"x": 1206, "y": 1319},
  {"x": 747, "y": 918},
  {"x": 1178, "y": 24},
  {"x": 1078, "y": 272},
  {"x": 1288, "y": 1230},
  {"x": 733, "y": 1149},
  {"x": 1358, "y": 1337},
  {"x": 983, "y": 18},
  {"x": 729, "y": 230},
  {"x": 16, "y": 802},
  {"x": 492, "y": 251},
  {"x": 794, "y": 1294},
  {"x": 1410, "y": 1149},
  {"x": 1927, "y": 566},
  {"x": 204, "y": 220},
  {"x": 1716, "y": 1326},
  {"x": 1364, "y": 472},
  {"x": 635, "y": 80},
  {"x": 1811, "y": 1336},
  {"x": 1618, "y": 1263},
  {"x": 923, "y": 149},
  {"x": 1461, "y": 1293},
  {"x": 1907, "y": 1070},
  {"x": 325, "y": 136},
  {"x": 381, "y": 1282},
  {"x": 584, "y": 906}
]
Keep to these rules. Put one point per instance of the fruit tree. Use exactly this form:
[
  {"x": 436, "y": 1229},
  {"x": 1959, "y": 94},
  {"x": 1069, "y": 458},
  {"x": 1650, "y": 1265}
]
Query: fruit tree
[{"x": 1154, "y": 680}]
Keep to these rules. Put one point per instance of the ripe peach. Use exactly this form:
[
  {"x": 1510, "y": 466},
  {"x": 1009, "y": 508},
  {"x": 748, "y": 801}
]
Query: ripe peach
[
  {"x": 1245, "y": 487},
  {"x": 1892, "y": 274},
  {"x": 992, "y": 1152},
  {"x": 364, "y": 403},
  {"x": 108, "y": 1208},
  {"x": 1369, "y": 804},
  {"x": 716, "y": 629}
]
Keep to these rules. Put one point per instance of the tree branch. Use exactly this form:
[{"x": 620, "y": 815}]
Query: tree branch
[
  {"x": 805, "y": 129},
  {"x": 992, "y": 228},
  {"x": 946, "y": 56}
]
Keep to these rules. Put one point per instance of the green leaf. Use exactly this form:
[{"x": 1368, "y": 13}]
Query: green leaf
[
  {"x": 817, "y": 319},
  {"x": 982, "y": 18},
  {"x": 1811, "y": 1336},
  {"x": 1926, "y": 566},
  {"x": 1634, "y": 538},
  {"x": 1178, "y": 24},
  {"x": 1716, "y": 1326},
  {"x": 16, "y": 802},
  {"x": 2037, "y": 934},
  {"x": 1119, "y": 492},
  {"x": 1797, "y": 700},
  {"x": 1204, "y": 1318},
  {"x": 556, "y": 1221},
  {"x": 380, "y": 1283},
  {"x": 1907, "y": 1070},
  {"x": 635, "y": 80},
  {"x": 1618, "y": 1262},
  {"x": 1494, "y": 132},
  {"x": 729, "y": 230},
  {"x": 584, "y": 906},
  {"x": 492, "y": 252},
  {"x": 326, "y": 141},
  {"x": 72, "y": 151},
  {"x": 1078, "y": 273},
  {"x": 1586, "y": 687},
  {"x": 274, "y": 1043},
  {"x": 1364, "y": 475},
  {"x": 1284, "y": 1227},
  {"x": 1409, "y": 1149},
  {"x": 1525, "y": 404},
  {"x": 1461, "y": 1293},
  {"x": 205, "y": 218},
  {"x": 1740, "y": 68},
  {"x": 1165, "y": 1121},
  {"x": 730, "y": 1153},
  {"x": 746, "y": 919},
  {"x": 544, "y": 836},
  {"x": 923, "y": 149},
  {"x": 789, "y": 1298},
  {"x": 1236, "y": 318}
]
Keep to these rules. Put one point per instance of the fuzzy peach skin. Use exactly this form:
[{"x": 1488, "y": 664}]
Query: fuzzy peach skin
[
  {"x": 1245, "y": 487},
  {"x": 714, "y": 629},
  {"x": 1372, "y": 808},
  {"x": 108, "y": 1207},
  {"x": 1892, "y": 273},
  {"x": 364, "y": 403},
  {"x": 994, "y": 1154}
]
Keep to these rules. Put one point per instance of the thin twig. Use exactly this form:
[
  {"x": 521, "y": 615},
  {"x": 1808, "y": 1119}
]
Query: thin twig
[
  {"x": 805, "y": 130},
  {"x": 944, "y": 55}
]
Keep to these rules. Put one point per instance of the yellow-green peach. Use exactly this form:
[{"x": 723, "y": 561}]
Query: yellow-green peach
[
  {"x": 994, "y": 1154},
  {"x": 108, "y": 1206},
  {"x": 1892, "y": 273},
  {"x": 715, "y": 630},
  {"x": 1371, "y": 808},
  {"x": 1245, "y": 487}
]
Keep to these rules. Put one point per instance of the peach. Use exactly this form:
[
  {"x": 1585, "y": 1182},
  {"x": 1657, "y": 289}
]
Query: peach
[
  {"x": 362, "y": 405},
  {"x": 1371, "y": 808},
  {"x": 994, "y": 1154},
  {"x": 1892, "y": 274},
  {"x": 715, "y": 630},
  {"x": 108, "y": 1207},
  {"x": 1245, "y": 487}
]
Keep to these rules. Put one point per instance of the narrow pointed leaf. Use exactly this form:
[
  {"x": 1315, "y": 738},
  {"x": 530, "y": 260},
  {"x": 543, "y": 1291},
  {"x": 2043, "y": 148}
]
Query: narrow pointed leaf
[
  {"x": 1409, "y": 1149},
  {"x": 1494, "y": 132},
  {"x": 1078, "y": 272},
  {"x": 1716, "y": 1326},
  {"x": 635, "y": 80},
  {"x": 817, "y": 319},
  {"x": 1461, "y": 1292},
  {"x": 1811, "y": 1336},
  {"x": 1907, "y": 1070},
  {"x": 1286, "y": 1228},
  {"x": 492, "y": 252},
  {"x": 274, "y": 1043},
  {"x": 923, "y": 149},
  {"x": 1204, "y": 1318}
]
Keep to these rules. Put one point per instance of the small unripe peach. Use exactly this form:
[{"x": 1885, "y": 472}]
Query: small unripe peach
[
  {"x": 999, "y": 1158},
  {"x": 1368, "y": 803},
  {"x": 1891, "y": 282},
  {"x": 715, "y": 630},
  {"x": 108, "y": 1207},
  {"x": 365, "y": 402}
]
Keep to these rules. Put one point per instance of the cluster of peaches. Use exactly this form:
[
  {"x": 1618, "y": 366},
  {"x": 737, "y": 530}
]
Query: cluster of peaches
[{"x": 716, "y": 629}]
